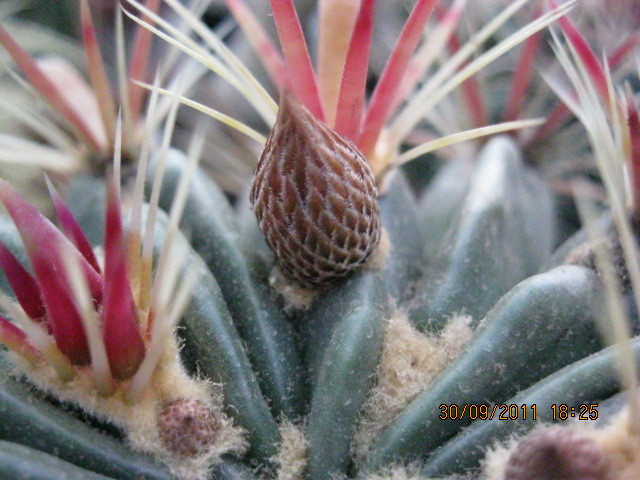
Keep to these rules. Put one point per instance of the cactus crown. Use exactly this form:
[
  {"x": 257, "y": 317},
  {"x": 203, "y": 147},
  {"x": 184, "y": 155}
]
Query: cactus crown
[{"x": 170, "y": 331}]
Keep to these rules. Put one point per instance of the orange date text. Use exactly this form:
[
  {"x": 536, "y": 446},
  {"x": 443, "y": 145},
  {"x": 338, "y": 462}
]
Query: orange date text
[{"x": 472, "y": 411}]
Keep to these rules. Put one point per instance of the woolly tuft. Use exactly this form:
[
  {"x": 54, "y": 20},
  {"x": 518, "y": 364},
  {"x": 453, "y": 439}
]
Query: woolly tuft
[
  {"x": 139, "y": 419},
  {"x": 621, "y": 444},
  {"x": 406, "y": 472},
  {"x": 296, "y": 298},
  {"x": 292, "y": 451},
  {"x": 396, "y": 472},
  {"x": 410, "y": 361}
]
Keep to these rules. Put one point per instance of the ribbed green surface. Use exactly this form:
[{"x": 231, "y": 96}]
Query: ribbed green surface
[
  {"x": 587, "y": 381},
  {"x": 542, "y": 324},
  {"x": 502, "y": 233},
  {"x": 472, "y": 243},
  {"x": 342, "y": 365},
  {"x": 209, "y": 223},
  {"x": 18, "y": 462},
  {"x": 214, "y": 349},
  {"x": 29, "y": 419}
]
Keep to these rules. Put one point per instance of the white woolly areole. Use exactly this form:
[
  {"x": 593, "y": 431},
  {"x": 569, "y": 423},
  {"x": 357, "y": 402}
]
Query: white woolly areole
[
  {"x": 379, "y": 256},
  {"x": 410, "y": 361},
  {"x": 406, "y": 472},
  {"x": 395, "y": 472},
  {"x": 620, "y": 444},
  {"x": 292, "y": 451},
  {"x": 138, "y": 419},
  {"x": 296, "y": 298}
]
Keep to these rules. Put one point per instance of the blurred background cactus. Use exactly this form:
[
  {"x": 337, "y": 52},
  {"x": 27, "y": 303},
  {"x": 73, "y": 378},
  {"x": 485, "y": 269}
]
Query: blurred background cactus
[{"x": 448, "y": 281}]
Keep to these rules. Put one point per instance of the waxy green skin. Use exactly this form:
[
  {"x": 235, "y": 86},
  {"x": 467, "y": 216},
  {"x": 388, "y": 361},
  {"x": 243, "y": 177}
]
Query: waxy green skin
[
  {"x": 501, "y": 233},
  {"x": 23, "y": 463},
  {"x": 210, "y": 222},
  {"x": 320, "y": 364},
  {"x": 28, "y": 418},
  {"x": 343, "y": 368},
  {"x": 554, "y": 313},
  {"x": 591, "y": 380}
]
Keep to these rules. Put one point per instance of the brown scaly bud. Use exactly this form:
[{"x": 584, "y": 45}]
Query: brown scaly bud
[
  {"x": 187, "y": 427},
  {"x": 557, "y": 453},
  {"x": 315, "y": 198}
]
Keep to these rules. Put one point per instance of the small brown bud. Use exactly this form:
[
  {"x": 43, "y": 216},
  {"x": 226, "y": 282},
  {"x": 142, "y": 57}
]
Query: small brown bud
[
  {"x": 315, "y": 198},
  {"x": 187, "y": 427},
  {"x": 557, "y": 453}
]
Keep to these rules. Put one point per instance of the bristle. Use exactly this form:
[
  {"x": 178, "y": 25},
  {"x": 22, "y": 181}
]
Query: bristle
[
  {"x": 100, "y": 371},
  {"x": 294, "y": 47},
  {"x": 391, "y": 77},
  {"x": 43, "y": 243},
  {"x": 470, "y": 91},
  {"x": 16, "y": 340},
  {"x": 24, "y": 286},
  {"x": 354, "y": 77},
  {"x": 158, "y": 325},
  {"x": 235, "y": 73},
  {"x": 336, "y": 21},
  {"x": 147, "y": 248},
  {"x": 621, "y": 53},
  {"x": 464, "y": 136},
  {"x": 15, "y": 149},
  {"x": 616, "y": 326},
  {"x": 411, "y": 113},
  {"x": 71, "y": 227},
  {"x": 604, "y": 122},
  {"x": 41, "y": 125},
  {"x": 429, "y": 51},
  {"x": 582, "y": 48},
  {"x": 139, "y": 63},
  {"x": 179, "y": 202},
  {"x": 123, "y": 82},
  {"x": 72, "y": 87},
  {"x": 521, "y": 79},
  {"x": 226, "y": 119},
  {"x": 137, "y": 197},
  {"x": 633, "y": 123},
  {"x": 257, "y": 94},
  {"x": 46, "y": 88},
  {"x": 560, "y": 113},
  {"x": 97, "y": 72},
  {"x": 39, "y": 338},
  {"x": 267, "y": 52},
  {"x": 123, "y": 343},
  {"x": 432, "y": 92},
  {"x": 117, "y": 155}
]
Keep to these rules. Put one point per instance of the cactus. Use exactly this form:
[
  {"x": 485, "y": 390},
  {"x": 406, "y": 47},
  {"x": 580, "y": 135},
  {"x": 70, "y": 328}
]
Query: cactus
[{"x": 331, "y": 323}]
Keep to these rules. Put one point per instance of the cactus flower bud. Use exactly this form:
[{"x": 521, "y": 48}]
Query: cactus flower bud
[{"x": 315, "y": 198}]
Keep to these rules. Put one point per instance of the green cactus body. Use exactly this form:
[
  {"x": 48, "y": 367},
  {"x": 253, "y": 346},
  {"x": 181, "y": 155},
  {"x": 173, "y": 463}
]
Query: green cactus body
[
  {"x": 342, "y": 366},
  {"x": 20, "y": 462},
  {"x": 555, "y": 311},
  {"x": 274, "y": 365},
  {"x": 587, "y": 381},
  {"x": 29, "y": 419},
  {"x": 210, "y": 223},
  {"x": 489, "y": 247},
  {"x": 340, "y": 337}
]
